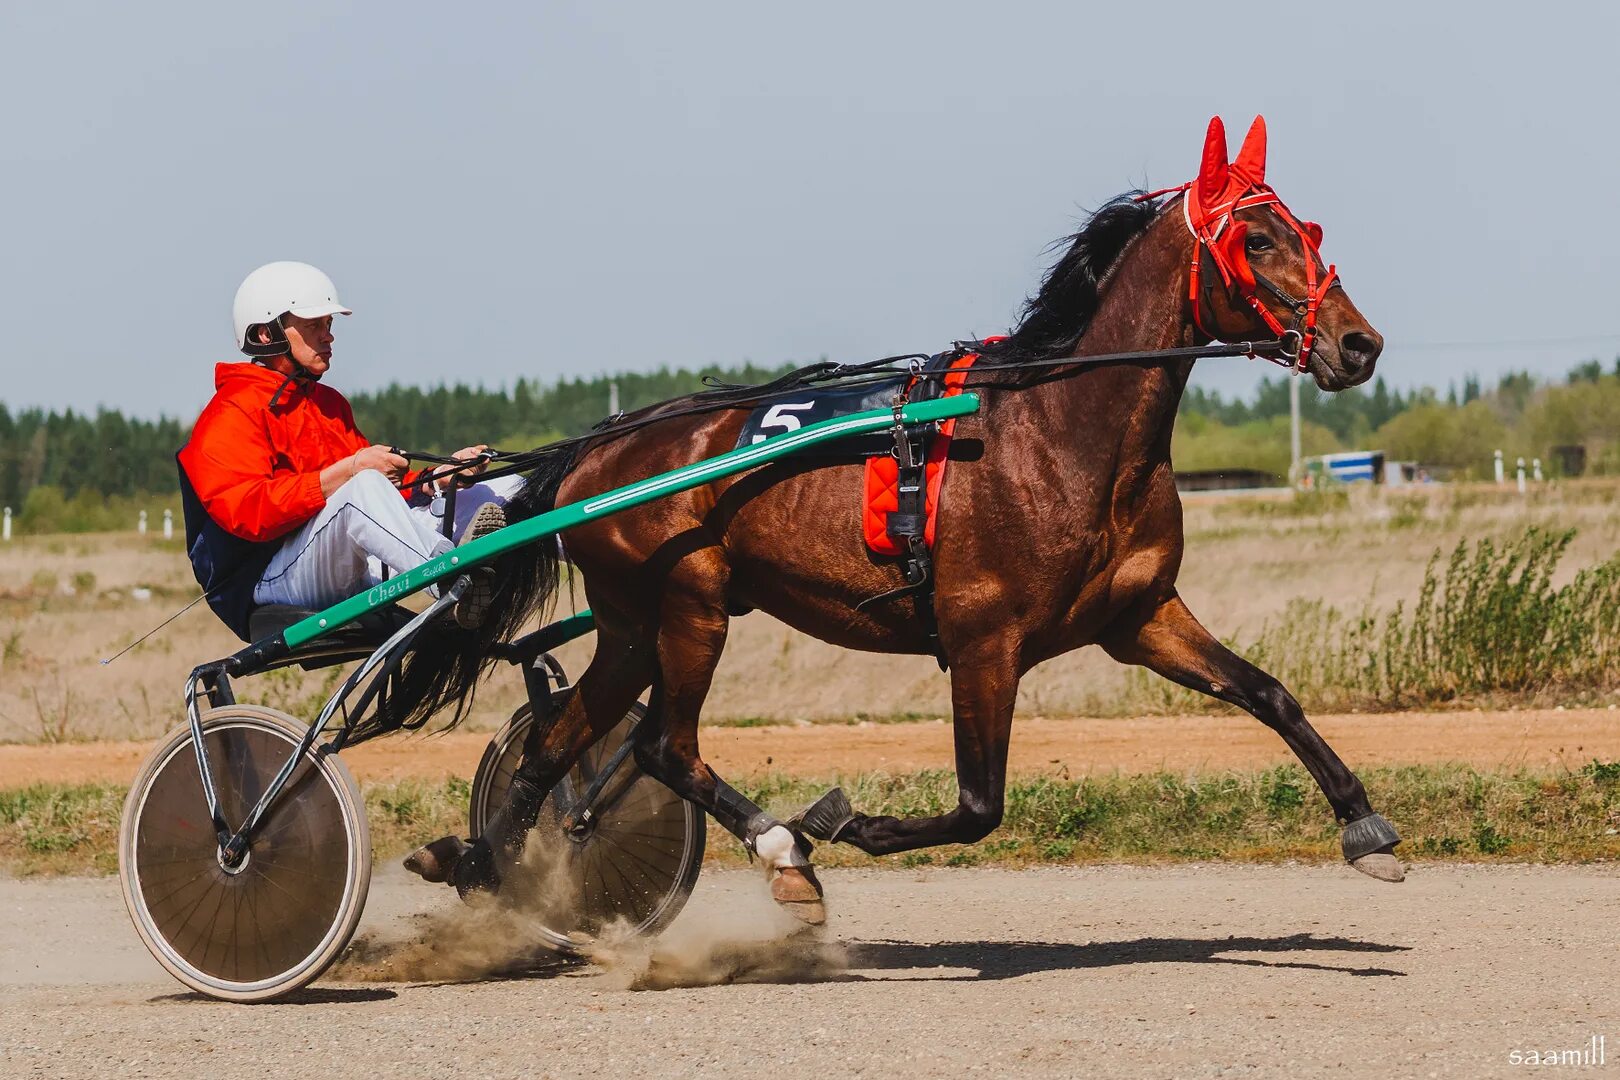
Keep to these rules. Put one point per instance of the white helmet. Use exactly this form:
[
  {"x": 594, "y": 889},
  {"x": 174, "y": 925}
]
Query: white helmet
[{"x": 272, "y": 291}]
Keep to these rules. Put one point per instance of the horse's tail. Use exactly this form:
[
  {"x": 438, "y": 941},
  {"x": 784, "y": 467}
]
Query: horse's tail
[{"x": 446, "y": 662}]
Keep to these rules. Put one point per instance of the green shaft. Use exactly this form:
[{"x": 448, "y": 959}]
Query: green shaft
[{"x": 742, "y": 459}]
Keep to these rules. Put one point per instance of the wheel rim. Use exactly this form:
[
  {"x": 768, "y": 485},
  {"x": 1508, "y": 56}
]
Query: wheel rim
[
  {"x": 627, "y": 870},
  {"x": 256, "y": 924}
]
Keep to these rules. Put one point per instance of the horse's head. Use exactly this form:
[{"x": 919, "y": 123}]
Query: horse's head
[{"x": 1258, "y": 271}]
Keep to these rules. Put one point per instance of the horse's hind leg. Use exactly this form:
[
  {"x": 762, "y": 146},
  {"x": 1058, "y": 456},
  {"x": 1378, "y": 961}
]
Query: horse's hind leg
[
  {"x": 984, "y": 689},
  {"x": 1171, "y": 642},
  {"x": 692, "y": 635},
  {"x": 616, "y": 676}
]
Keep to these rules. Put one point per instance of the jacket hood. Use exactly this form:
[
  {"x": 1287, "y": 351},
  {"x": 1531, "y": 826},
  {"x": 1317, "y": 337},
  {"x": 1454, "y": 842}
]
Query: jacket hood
[{"x": 247, "y": 380}]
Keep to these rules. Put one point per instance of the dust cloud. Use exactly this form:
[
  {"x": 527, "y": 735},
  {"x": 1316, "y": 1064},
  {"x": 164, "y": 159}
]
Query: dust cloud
[
  {"x": 744, "y": 939},
  {"x": 738, "y": 936}
]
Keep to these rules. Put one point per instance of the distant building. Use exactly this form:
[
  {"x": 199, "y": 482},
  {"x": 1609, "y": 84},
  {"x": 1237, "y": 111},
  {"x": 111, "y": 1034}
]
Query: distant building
[
  {"x": 1364, "y": 467},
  {"x": 1349, "y": 467}
]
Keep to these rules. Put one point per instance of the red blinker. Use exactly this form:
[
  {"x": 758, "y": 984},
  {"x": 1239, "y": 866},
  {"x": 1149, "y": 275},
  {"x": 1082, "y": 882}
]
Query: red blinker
[
  {"x": 1235, "y": 254},
  {"x": 1314, "y": 231}
]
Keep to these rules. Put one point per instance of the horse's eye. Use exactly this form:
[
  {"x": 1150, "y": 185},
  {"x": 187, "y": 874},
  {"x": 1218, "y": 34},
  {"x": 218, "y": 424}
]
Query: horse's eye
[{"x": 1257, "y": 243}]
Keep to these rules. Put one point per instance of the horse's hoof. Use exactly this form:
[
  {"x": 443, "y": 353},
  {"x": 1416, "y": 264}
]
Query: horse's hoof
[
  {"x": 796, "y": 891},
  {"x": 1382, "y": 865},
  {"x": 436, "y": 862},
  {"x": 475, "y": 871}
]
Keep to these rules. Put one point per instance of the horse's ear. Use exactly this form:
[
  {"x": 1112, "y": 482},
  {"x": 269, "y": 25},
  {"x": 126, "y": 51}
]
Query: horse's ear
[
  {"x": 1212, "y": 172},
  {"x": 1251, "y": 160}
]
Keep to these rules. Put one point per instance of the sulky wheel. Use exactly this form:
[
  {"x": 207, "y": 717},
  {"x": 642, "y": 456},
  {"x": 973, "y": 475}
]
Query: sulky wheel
[
  {"x": 273, "y": 922},
  {"x": 633, "y": 866}
]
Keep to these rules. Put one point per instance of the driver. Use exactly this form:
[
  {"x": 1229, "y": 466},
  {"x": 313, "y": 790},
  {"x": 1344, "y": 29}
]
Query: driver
[{"x": 288, "y": 503}]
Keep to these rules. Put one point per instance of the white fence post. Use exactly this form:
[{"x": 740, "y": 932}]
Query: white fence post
[
  {"x": 168, "y": 520},
  {"x": 1521, "y": 476},
  {"x": 5, "y": 529},
  {"x": 1499, "y": 475},
  {"x": 141, "y": 526},
  {"x": 1535, "y": 469}
]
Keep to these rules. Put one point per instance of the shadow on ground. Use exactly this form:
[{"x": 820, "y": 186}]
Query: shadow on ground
[
  {"x": 310, "y": 995},
  {"x": 994, "y": 960}
]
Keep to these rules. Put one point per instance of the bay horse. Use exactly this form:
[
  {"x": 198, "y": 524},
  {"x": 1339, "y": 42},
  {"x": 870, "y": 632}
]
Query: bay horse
[{"x": 1064, "y": 529}]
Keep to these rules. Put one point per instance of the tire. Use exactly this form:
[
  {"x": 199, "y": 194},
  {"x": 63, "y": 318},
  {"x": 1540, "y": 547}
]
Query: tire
[
  {"x": 636, "y": 866},
  {"x": 280, "y": 919}
]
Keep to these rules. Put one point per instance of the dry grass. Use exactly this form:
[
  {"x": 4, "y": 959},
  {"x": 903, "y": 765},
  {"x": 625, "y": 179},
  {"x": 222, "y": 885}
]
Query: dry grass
[{"x": 66, "y": 602}]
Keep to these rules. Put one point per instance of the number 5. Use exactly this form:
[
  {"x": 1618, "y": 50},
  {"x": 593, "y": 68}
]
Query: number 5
[{"x": 781, "y": 416}]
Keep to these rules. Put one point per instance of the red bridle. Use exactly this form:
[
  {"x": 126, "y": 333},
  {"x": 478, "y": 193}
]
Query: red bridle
[{"x": 1209, "y": 205}]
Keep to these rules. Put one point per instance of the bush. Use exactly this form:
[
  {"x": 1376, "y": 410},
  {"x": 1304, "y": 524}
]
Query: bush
[
  {"x": 48, "y": 510},
  {"x": 1462, "y": 438},
  {"x": 1491, "y": 621},
  {"x": 1487, "y": 620}
]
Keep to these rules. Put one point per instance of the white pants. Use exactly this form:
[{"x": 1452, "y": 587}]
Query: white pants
[{"x": 364, "y": 527}]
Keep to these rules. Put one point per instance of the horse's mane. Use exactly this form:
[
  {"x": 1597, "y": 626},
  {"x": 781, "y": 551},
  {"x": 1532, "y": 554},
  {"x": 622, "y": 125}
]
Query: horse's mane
[{"x": 1054, "y": 319}]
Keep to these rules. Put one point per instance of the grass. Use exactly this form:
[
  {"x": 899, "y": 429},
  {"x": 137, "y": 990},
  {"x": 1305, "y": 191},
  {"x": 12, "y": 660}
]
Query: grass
[
  {"x": 1444, "y": 812},
  {"x": 1487, "y": 625},
  {"x": 905, "y": 717}
]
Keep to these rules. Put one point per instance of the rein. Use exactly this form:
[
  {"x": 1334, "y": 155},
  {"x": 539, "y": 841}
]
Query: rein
[{"x": 872, "y": 372}]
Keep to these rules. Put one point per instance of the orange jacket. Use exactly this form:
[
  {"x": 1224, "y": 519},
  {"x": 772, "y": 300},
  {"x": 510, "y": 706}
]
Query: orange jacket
[{"x": 257, "y": 469}]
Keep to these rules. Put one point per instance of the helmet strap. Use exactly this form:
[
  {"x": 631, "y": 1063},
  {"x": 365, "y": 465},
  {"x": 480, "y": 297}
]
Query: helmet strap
[{"x": 276, "y": 346}]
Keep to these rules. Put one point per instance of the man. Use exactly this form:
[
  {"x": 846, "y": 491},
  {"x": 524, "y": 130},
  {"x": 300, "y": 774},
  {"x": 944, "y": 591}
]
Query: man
[{"x": 286, "y": 501}]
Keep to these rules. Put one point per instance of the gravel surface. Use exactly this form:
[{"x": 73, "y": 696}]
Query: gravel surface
[{"x": 1187, "y": 971}]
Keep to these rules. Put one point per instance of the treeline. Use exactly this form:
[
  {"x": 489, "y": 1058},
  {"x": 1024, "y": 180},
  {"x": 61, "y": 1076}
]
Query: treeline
[
  {"x": 447, "y": 418},
  {"x": 72, "y": 456},
  {"x": 106, "y": 454},
  {"x": 1567, "y": 423}
]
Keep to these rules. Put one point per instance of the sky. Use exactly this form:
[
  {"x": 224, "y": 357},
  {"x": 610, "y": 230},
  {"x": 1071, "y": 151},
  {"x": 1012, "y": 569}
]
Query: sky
[{"x": 554, "y": 189}]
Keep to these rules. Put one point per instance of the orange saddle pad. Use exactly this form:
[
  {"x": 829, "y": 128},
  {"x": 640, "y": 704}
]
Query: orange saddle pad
[{"x": 882, "y": 488}]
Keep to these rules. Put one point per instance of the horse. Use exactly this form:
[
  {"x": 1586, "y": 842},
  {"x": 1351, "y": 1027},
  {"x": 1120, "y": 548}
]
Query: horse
[{"x": 1060, "y": 527}]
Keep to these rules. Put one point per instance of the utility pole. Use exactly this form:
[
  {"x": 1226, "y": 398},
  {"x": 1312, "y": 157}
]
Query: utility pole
[
  {"x": 1293, "y": 435},
  {"x": 613, "y": 398}
]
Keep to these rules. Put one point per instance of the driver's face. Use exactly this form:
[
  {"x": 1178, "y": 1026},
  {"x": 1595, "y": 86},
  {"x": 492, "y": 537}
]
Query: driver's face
[{"x": 310, "y": 341}]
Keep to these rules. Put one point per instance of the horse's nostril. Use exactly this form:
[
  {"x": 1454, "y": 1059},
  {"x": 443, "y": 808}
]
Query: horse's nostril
[{"x": 1358, "y": 349}]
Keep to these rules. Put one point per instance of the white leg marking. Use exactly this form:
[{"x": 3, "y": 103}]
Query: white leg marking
[{"x": 777, "y": 850}]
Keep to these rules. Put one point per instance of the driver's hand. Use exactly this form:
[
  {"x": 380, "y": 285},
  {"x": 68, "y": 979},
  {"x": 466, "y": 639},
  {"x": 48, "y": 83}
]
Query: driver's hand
[
  {"x": 384, "y": 460},
  {"x": 465, "y": 476}
]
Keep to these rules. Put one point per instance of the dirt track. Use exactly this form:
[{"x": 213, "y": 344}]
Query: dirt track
[
  {"x": 1545, "y": 738},
  {"x": 1190, "y": 971}
]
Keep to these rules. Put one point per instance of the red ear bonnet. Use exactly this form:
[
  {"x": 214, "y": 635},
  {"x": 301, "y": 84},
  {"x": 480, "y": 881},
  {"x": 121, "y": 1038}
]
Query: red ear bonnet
[
  {"x": 1213, "y": 174},
  {"x": 1251, "y": 160}
]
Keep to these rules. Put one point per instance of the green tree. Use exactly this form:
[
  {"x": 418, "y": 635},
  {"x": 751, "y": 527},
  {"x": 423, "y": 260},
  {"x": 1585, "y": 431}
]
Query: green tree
[{"x": 1434, "y": 434}]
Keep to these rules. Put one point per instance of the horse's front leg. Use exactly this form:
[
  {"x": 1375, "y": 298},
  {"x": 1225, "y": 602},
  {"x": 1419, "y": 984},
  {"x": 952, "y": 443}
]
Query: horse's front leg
[
  {"x": 983, "y": 692},
  {"x": 691, "y": 637},
  {"x": 1171, "y": 642}
]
